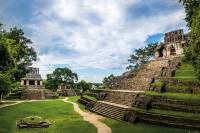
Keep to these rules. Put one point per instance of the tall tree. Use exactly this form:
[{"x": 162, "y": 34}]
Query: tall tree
[
  {"x": 84, "y": 86},
  {"x": 15, "y": 56},
  {"x": 107, "y": 81},
  {"x": 60, "y": 75},
  {"x": 141, "y": 56},
  {"x": 192, "y": 53}
]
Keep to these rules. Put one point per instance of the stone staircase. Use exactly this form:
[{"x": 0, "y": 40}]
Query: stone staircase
[
  {"x": 125, "y": 102},
  {"x": 120, "y": 97},
  {"x": 114, "y": 111},
  {"x": 144, "y": 77}
]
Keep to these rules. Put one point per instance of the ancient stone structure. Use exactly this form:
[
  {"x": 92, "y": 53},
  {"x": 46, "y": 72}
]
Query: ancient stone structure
[
  {"x": 32, "y": 87},
  {"x": 127, "y": 101},
  {"x": 33, "y": 122},
  {"x": 146, "y": 74},
  {"x": 65, "y": 90},
  {"x": 32, "y": 80},
  {"x": 173, "y": 45}
]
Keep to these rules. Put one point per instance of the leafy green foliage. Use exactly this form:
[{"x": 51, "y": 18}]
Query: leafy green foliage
[
  {"x": 60, "y": 75},
  {"x": 192, "y": 53},
  {"x": 107, "y": 81},
  {"x": 84, "y": 86},
  {"x": 141, "y": 56},
  {"x": 158, "y": 84},
  {"x": 15, "y": 57},
  {"x": 90, "y": 97}
]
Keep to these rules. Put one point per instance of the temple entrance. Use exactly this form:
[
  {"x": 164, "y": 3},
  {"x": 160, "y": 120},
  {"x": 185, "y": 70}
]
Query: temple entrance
[
  {"x": 172, "y": 50},
  {"x": 31, "y": 82}
]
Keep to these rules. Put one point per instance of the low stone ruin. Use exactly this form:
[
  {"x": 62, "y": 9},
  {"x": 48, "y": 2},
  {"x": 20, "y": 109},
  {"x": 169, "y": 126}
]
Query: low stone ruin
[
  {"x": 33, "y": 122},
  {"x": 32, "y": 94},
  {"x": 66, "y": 90}
]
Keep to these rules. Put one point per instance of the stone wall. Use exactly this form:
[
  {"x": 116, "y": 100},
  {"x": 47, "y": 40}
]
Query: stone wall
[
  {"x": 67, "y": 92},
  {"x": 32, "y": 94},
  {"x": 145, "y": 101},
  {"x": 123, "y": 98}
]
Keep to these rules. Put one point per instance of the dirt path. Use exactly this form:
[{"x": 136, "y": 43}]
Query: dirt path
[
  {"x": 91, "y": 118},
  {"x": 18, "y": 102}
]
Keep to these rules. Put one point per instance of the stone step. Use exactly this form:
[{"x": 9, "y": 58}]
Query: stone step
[
  {"x": 145, "y": 75},
  {"x": 123, "y": 98},
  {"x": 108, "y": 110}
]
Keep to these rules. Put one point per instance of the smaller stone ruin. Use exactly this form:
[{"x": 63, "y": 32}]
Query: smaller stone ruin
[
  {"x": 33, "y": 122},
  {"x": 66, "y": 90}
]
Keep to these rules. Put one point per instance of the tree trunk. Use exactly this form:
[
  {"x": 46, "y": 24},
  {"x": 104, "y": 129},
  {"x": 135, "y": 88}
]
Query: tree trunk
[{"x": 1, "y": 97}]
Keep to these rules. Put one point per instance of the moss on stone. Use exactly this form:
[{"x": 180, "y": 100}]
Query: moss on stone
[
  {"x": 176, "y": 96},
  {"x": 186, "y": 72},
  {"x": 178, "y": 88},
  {"x": 158, "y": 83}
]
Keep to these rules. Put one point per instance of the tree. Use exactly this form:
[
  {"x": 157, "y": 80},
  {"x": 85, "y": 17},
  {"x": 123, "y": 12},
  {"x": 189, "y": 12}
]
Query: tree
[
  {"x": 15, "y": 57},
  {"x": 141, "y": 56},
  {"x": 84, "y": 86},
  {"x": 107, "y": 81},
  {"x": 60, "y": 75},
  {"x": 5, "y": 84},
  {"x": 192, "y": 53},
  {"x": 18, "y": 46}
]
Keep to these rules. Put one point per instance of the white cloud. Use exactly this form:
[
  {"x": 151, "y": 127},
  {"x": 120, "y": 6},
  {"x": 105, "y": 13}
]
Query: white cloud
[{"x": 98, "y": 31}]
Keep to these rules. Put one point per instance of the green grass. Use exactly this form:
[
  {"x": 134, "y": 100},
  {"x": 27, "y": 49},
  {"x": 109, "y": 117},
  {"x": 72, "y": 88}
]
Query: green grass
[
  {"x": 193, "y": 116},
  {"x": 124, "y": 127},
  {"x": 186, "y": 72},
  {"x": 75, "y": 100},
  {"x": 90, "y": 97},
  {"x": 177, "y": 87},
  {"x": 61, "y": 115},
  {"x": 176, "y": 96},
  {"x": 158, "y": 84}
]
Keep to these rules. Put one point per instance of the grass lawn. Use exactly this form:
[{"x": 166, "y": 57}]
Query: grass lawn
[
  {"x": 176, "y": 96},
  {"x": 61, "y": 115},
  {"x": 186, "y": 72},
  {"x": 75, "y": 100},
  {"x": 158, "y": 84},
  {"x": 193, "y": 116},
  {"x": 124, "y": 127},
  {"x": 90, "y": 97}
]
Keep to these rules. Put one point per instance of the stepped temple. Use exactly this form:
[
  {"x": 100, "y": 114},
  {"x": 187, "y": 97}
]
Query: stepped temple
[
  {"x": 129, "y": 101},
  {"x": 33, "y": 79},
  {"x": 32, "y": 87}
]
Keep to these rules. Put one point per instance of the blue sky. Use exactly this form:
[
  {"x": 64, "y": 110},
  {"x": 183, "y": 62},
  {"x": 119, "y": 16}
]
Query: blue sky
[{"x": 92, "y": 37}]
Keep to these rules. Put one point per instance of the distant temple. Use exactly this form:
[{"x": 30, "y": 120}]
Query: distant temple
[
  {"x": 32, "y": 87},
  {"x": 32, "y": 79},
  {"x": 66, "y": 90},
  {"x": 174, "y": 43}
]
